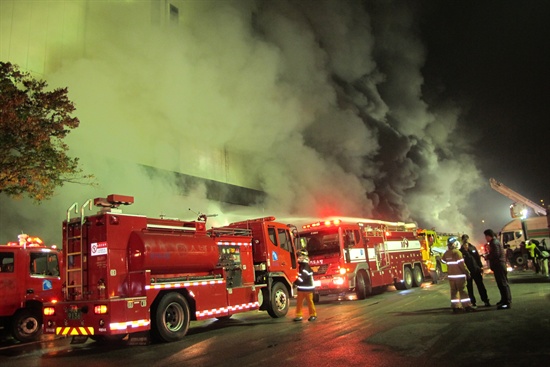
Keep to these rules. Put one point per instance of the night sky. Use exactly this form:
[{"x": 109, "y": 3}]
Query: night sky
[{"x": 492, "y": 58}]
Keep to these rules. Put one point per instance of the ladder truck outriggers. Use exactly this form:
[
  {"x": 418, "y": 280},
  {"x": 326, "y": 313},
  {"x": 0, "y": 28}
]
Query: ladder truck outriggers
[
  {"x": 127, "y": 274},
  {"x": 358, "y": 255},
  {"x": 522, "y": 227}
]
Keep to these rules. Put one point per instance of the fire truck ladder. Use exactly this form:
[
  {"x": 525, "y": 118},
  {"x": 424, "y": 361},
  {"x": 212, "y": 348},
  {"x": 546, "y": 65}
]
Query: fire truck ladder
[
  {"x": 516, "y": 197},
  {"x": 75, "y": 262}
]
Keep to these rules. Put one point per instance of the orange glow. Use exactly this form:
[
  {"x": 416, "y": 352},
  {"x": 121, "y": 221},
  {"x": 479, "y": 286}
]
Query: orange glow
[
  {"x": 49, "y": 311},
  {"x": 342, "y": 271}
]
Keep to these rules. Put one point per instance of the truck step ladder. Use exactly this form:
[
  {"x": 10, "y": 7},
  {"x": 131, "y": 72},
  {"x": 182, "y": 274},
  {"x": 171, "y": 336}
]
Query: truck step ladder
[{"x": 76, "y": 266}]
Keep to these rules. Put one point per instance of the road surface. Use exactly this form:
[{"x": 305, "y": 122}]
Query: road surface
[{"x": 392, "y": 328}]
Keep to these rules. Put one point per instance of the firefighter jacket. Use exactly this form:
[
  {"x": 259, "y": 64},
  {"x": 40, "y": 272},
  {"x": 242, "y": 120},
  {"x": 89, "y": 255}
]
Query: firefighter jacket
[
  {"x": 471, "y": 258},
  {"x": 305, "y": 278},
  {"x": 496, "y": 255},
  {"x": 455, "y": 264},
  {"x": 533, "y": 250}
]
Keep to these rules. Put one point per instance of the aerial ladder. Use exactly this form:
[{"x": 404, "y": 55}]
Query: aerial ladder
[{"x": 520, "y": 202}]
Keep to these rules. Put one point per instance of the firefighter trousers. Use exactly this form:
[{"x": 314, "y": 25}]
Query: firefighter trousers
[
  {"x": 459, "y": 296},
  {"x": 308, "y": 297}
]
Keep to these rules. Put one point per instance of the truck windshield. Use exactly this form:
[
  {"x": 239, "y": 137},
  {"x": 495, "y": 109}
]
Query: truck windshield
[
  {"x": 321, "y": 243},
  {"x": 43, "y": 263}
]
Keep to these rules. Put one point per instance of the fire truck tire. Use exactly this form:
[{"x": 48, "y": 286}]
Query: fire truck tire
[
  {"x": 418, "y": 277},
  {"x": 363, "y": 287},
  {"x": 279, "y": 302},
  {"x": 171, "y": 318},
  {"x": 518, "y": 260},
  {"x": 407, "y": 280},
  {"x": 27, "y": 325},
  {"x": 316, "y": 297}
]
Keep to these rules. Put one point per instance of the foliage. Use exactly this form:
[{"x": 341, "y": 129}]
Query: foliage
[{"x": 33, "y": 123}]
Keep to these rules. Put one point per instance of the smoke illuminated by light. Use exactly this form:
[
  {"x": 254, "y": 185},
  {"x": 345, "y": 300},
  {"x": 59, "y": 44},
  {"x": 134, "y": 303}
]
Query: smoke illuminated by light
[{"x": 317, "y": 104}]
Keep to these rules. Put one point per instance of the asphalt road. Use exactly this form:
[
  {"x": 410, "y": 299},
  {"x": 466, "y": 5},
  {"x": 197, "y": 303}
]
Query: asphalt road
[{"x": 392, "y": 328}]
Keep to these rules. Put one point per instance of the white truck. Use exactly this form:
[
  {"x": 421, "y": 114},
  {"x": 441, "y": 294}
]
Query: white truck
[
  {"x": 512, "y": 235},
  {"x": 515, "y": 232}
]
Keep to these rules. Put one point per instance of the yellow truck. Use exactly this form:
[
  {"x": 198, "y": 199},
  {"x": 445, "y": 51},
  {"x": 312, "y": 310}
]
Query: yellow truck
[{"x": 433, "y": 246}]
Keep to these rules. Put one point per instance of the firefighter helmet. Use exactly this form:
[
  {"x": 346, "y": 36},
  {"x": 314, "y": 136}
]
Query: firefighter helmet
[{"x": 452, "y": 242}]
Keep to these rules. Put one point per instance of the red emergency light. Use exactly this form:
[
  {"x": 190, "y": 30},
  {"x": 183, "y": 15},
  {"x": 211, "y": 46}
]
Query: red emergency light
[{"x": 327, "y": 223}]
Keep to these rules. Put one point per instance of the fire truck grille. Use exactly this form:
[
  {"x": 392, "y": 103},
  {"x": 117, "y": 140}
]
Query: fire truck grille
[{"x": 321, "y": 270}]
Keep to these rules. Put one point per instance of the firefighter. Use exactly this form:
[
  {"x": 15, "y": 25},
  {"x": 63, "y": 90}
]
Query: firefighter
[
  {"x": 497, "y": 262},
  {"x": 534, "y": 252},
  {"x": 457, "y": 274},
  {"x": 474, "y": 265},
  {"x": 305, "y": 286}
]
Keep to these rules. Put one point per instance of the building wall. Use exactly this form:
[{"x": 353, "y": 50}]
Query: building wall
[{"x": 43, "y": 36}]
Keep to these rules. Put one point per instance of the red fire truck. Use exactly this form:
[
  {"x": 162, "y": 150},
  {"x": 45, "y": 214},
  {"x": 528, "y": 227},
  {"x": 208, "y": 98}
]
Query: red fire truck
[
  {"x": 359, "y": 255},
  {"x": 129, "y": 273},
  {"x": 29, "y": 277}
]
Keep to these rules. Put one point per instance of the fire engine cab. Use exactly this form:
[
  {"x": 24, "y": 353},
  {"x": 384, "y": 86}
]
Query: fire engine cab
[
  {"x": 29, "y": 277},
  {"x": 359, "y": 255},
  {"x": 129, "y": 273}
]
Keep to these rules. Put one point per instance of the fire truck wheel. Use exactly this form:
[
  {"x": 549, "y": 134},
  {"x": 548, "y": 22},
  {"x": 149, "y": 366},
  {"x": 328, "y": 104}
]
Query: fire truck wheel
[
  {"x": 418, "y": 277},
  {"x": 279, "y": 302},
  {"x": 518, "y": 260},
  {"x": 363, "y": 287},
  {"x": 27, "y": 325},
  {"x": 171, "y": 318},
  {"x": 316, "y": 297},
  {"x": 407, "y": 280}
]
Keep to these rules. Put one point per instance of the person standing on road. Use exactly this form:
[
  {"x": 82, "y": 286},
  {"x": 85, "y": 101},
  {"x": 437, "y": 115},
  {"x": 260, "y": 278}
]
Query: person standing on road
[
  {"x": 497, "y": 261},
  {"x": 457, "y": 273},
  {"x": 531, "y": 246},
  {"x": 474, "y": 265},
  {"x": 305, "y": 286}
]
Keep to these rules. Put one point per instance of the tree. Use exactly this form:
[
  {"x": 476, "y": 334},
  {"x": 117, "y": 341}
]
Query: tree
[{"x": 33, "y": 124}]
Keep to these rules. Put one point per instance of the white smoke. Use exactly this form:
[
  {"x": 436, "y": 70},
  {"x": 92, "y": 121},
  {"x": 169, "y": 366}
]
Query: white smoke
[{"x": 317, "y": 103}]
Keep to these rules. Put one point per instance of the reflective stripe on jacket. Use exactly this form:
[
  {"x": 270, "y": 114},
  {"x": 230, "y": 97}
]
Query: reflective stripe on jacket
[
  {"x": 455, "y": 264},
  {"x": 305, "y": 278}
]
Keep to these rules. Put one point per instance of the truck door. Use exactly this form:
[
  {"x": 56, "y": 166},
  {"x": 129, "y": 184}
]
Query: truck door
[
  {"x": 281, "y": 249},
  {"x": 8, "y": 286}
]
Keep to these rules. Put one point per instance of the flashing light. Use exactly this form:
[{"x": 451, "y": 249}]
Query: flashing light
[
  {"x": 26, "y": 241},
  {"x": 49, "y": 311},
  {"x": 327, "y": 223},
  {"x": 100, "y": 309},
  {"x": 343, "y": 271}
]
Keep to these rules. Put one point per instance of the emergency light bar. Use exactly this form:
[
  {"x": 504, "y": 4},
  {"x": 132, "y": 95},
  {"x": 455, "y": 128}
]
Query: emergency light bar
[
  {"x": 257, "y": 220},
  {"x": 327, "y": 223}
]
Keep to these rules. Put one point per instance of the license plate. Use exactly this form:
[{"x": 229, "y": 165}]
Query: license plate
[
  {"x": 74, "y": 314},
  {"x": 317, "y": 283}
]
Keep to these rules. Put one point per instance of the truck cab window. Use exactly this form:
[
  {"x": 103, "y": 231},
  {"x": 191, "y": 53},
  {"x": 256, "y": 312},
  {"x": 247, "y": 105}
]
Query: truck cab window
[
  {"x": 6, "y": 262},
  {"x": 284, "y": 240},
  {"x": 272, "y": 235},
  {"x": 44, "y": 264}
]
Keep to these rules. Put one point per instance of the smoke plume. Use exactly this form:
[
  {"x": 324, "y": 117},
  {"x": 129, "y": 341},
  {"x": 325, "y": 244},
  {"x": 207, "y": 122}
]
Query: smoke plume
[{"x": 316, "y": 103}]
